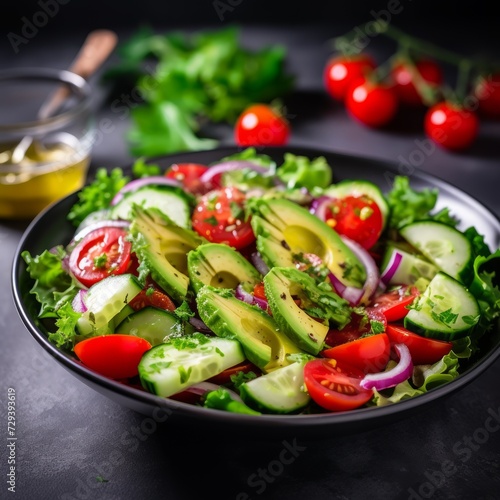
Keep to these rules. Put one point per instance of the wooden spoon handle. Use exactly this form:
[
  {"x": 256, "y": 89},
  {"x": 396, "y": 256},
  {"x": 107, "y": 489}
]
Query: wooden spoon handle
[{"x": 95, "y": 50}]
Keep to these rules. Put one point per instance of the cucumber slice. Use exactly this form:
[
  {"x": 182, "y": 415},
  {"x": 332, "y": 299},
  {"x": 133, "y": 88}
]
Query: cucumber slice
[
  {"x": 151, "y": 323},
  {"x": 446, "y": 247},
  {"x": 400, "y": 267},
  {"x": 359, "y": 188},
  {"x": 170, "y": 200},
  {"x": 446, "y": 310},
  {"x": 280, "y": 391},
  {"x": 105, "y": 300},
  {"x": 167, "y": 369}
]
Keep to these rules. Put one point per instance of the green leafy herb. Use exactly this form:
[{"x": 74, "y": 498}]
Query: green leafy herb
[
  {"x": 142, "y": 169},
  {"x": 241, "y": 377},
  {"x": 186, "y": 80},
  {"x": 98, "y": 194}
]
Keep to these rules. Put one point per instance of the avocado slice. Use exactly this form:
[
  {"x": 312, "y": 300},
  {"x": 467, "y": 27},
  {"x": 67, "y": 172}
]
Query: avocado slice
[
  {"x": 262, "y": 341},
  {"x": 221, "y": 266},
  {"x": 284, "y": 229},
  {"x": 162, "y": 247},
  {"x": 307, "y": 325}
]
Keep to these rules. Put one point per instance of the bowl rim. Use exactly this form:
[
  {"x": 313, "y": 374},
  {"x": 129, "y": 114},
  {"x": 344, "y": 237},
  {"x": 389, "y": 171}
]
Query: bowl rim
[
  {"x": 295, "y": 422},
  {"x": 78, "y": 85}
]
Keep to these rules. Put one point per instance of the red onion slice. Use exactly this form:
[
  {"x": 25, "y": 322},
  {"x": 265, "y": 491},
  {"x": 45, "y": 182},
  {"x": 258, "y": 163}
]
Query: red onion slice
[
  {"x": 141, "y": 182},
  {"x": 259, "y": 263},
  {"x": 319, "y": 206},
  {"x": 229, "y": 166},
  {"x": 392, "y": 266},
  {"x": 401, "y": 372},
  {"x": 244, "y": 296},
  {"x": 372, "y": 272},
  {"x": 78, "y": 302},
  {"x": 199, "y": 325},
  {"x": 96, "y": 225}
]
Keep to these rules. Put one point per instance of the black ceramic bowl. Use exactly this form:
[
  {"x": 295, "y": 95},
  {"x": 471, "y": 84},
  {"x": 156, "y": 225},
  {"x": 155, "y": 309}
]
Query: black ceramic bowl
[{"x": 51, "y": 228}]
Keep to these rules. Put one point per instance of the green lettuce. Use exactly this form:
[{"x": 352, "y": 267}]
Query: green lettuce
[{"x": 302, "y": 172}]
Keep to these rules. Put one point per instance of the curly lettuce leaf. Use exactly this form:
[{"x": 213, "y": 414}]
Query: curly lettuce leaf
[
  {"x": 407, "y": 205},
  {"x": 54, "y": 290},
  {"x": 302, "y": 172},
  {"x": 425, "y": 378}
]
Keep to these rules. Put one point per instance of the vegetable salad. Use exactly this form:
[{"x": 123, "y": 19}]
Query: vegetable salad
[{"x": 255, "y": 286}]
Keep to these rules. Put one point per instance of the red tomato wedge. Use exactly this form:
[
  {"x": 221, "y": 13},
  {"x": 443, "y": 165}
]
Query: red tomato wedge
[
  {"x": 219, "y": 217},
  {"x": 424, "y": 351},
  {"x": 335, "y": 385},
  {"x": 394, "y": 304},
  {"x": 101, "y": 253},
  {"x": 368, "y": 354},
  {"x": 115, "y": 356}
]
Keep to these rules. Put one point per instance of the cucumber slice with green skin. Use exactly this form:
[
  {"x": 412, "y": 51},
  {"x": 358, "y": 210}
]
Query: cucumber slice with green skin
[
  {"x": 446, "y": 247},
  {"x": 446, "y": 310},
  {"x": 150, "y": 323},
  {"x": 105, "y": 300},
  {"x": 359, "y": 188},
  {"x": 167, "y": 369},
  {"x": 400, "y": 267},
  {"x": 281, "y": 391},
  {"x": 170, "y": 200}
]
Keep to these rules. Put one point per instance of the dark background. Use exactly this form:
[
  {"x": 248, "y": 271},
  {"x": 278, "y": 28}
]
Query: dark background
[{"x": 70, "y": 434}]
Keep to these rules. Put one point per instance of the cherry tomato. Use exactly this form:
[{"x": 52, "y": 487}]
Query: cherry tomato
[
  {"x": 341, "y": 71},
  {"x": 101, "y": 253},
  {"x": 261, "y": 125},
  {"x": 487, "y": 91},
  {"x": 219, "y": 217},
  {"x": 152, "y": 297},
  {"x": 405, "y": 74},
  {"x": 368, "y": 354},
  {"x": 115, "y": 356},
  {"x": 189, "y": 175},
  {"x": 424, "y": 351},
  {"x": 358, "y": 325},
  {"x": 258, "y": 291},
  {"x": 394, "y": 304},
  {"x": 335, "y": 385},
  {"x": 357, "y": 217},
  {"x": 373, "y": 104},
  {"x": 451, "y": 126}
]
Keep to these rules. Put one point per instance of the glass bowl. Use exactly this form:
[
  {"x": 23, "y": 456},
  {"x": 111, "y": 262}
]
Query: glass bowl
[{"x": 57, "y": 159}]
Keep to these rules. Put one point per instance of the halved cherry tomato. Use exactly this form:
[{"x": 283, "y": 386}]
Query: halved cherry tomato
[
  {"x": 368, "y": 354},
  {"x": 358, "y": 325},
  {"x": 406, "y": 74},
  {"x": 335, "y": 385},
  {"x": 115, "y": 356},
  {"x": 357, "y": 217},
  {"x": 189, "y": 174},
  {"x": 261, "y": 125},
  {"x": 394, "y": 304},
  {"x": 225, "y": 376},
  {"x": 341, "y": 71},
  {"x": 424, "y": 351},
  {"x": 101, "y": 253},
  {"x": 219, "y": 217}
]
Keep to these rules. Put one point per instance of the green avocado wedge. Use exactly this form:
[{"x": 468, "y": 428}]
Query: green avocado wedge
[
  {"x": 228, "y": 317},
  {"x": 162, "y": 248},
  {"x": 307, "y": 325},
  {"x": 284, "y": 229},
  {"x": 221, "y": 266}
]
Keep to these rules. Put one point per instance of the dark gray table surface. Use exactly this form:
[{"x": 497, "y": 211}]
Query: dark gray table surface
[{"x": 69, "y": 435}]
